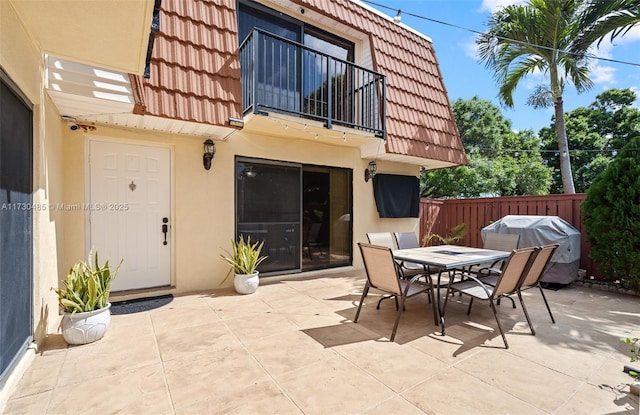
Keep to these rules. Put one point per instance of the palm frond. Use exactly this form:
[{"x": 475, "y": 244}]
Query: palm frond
[
  {"x": 605, "y": 17},
  {"x": 541, "y": 97}
]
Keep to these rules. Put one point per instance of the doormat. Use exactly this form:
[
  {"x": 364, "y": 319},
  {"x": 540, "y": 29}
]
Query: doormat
[{"x": 140, "y": 305}]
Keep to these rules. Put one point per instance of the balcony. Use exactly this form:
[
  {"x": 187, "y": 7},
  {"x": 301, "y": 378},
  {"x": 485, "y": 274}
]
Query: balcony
[{"x": 284, "y": 76}]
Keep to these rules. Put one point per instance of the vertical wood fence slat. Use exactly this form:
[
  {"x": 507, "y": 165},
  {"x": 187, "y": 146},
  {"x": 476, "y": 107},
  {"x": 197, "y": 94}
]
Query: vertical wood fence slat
[{"x": 440, "y": 215}]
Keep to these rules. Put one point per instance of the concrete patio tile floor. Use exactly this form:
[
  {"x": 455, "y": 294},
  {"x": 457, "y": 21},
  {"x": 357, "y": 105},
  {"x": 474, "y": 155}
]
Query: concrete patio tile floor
[{"x": 292, "y": 348}]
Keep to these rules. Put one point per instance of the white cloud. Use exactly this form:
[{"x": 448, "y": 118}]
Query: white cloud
[
  {"x": 534, "y": 79},
  {"x": 606, "y": 48},
  {"x": 602, "y": 51},
  {"x": 633, "y": 35},
  {"x": 470, "y": 48},
  {"x": 601, "y": 74},
  {"x": 635, "y": 89},
  {"x": 495, "y": 5}
]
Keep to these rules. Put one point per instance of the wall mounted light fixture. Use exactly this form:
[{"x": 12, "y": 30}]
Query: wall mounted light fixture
[
  {"x": 209, "y": 152},
  {"x": 370, "y": 171}
]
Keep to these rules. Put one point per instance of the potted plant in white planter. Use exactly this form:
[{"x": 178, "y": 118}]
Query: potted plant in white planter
[
  {"x": 634, "y": 372},
  {"x": 244, "y": 259},
  {"x": 84, "y": 298}
]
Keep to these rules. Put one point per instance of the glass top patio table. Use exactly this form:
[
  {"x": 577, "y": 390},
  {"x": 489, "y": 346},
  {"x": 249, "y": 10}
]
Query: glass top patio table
[{"x": 448, "y": 257}]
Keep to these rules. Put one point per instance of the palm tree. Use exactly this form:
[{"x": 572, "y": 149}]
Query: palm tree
[
  {"x": 603, "y": 17},
  {"x": 535, "y": 37}
]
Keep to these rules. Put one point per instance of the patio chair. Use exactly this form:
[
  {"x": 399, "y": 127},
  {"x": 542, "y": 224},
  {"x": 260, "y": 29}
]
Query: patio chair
[
  {"x": 386, "y": 239},
  {"x": 383, "y": 274},
  {"x": 407, "y": 240},
  {"x": 532, "y": 278},
  {"x": 509, "y": 280},
  {"x": 311, "y": 238},
  {"x": 381, "y": 239},
  {"x": 497, "y": 242}
]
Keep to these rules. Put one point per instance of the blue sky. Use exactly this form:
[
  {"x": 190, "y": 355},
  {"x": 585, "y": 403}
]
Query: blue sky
[{"x": 465, "y": 77}]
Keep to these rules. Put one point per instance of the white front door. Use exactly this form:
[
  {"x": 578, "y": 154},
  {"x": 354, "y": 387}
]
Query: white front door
[{"x": 130, "y": 210}]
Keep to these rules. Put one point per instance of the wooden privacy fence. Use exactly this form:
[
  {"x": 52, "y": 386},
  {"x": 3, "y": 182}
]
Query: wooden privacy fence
[{"x": 440, "y": 215}]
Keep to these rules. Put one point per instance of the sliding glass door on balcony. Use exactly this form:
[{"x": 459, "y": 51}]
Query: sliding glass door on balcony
[
  {"x": 288, "y": 66},
  {"x": 274, "y": 59},
  {"x": 276, "y": 77},
  {"x": 327, "y": 76},
  {"x": 281, "y": 75}
]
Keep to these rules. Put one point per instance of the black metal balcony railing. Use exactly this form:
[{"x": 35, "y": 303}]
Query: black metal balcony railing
[{"x": 281, "y": 75}]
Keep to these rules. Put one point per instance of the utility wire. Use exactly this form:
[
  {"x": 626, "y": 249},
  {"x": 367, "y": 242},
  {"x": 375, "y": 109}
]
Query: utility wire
[
  {"x": 573, "y": 150},
  {"x": 477, "y": 32}
]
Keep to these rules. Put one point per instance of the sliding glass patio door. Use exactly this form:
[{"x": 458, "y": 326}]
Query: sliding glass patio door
[
  {"x": 326, "y": 223},
  {"x": 302, "y": 213},
  {"x": 268, "y": 198}
]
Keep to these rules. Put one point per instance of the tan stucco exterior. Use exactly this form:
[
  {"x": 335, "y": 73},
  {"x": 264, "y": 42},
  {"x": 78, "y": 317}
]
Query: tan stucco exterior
[
  {"x": 21, "y": 60},
  {"x": 203, "y": 201},
  {"x": 62, "y": 28}
]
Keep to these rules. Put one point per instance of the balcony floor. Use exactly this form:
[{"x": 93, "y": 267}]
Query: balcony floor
[{"x": 292, "y": 348}]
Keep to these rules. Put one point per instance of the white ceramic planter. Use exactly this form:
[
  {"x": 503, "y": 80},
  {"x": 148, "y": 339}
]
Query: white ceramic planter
[
  {"x": 635, "y": 388},
  {"x": 87, "y": 327},
  {"x": 246, "y": 283}
]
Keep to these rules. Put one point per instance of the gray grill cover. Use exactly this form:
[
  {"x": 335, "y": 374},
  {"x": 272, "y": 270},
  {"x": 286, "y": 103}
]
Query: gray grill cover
[{"x": 541, "y": 230}]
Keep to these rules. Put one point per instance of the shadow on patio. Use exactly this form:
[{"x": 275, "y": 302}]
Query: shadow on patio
[{"x": 292, "y": 347}]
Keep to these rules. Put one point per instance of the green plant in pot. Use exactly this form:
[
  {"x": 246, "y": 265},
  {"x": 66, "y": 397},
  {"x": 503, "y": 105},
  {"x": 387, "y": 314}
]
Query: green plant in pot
[
  {"x": 84, "y": 298},
  {"x": 244, "y": 259},
  {"x": 455, "y": 234},
  {"x": 634, "y": 372}
]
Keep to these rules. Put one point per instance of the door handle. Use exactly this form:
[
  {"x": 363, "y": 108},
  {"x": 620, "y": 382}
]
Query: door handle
[{"x": 165, "y": 229}]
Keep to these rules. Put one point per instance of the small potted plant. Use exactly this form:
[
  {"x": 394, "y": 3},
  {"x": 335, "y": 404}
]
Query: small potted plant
[
  {"x": 84, "y": 298},
  {"x": 244, "y": 259},
  {"x": 634, "y": 349},
  {"x": 456, "y": 233}
]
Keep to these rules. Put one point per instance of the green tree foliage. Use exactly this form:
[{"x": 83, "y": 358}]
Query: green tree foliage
[
  {"x": 611, "y": 214},
  {"x": 495, "y": 167},
  {"x": 552, "y": 37},
  {"x": 523, "y": 39},
  {"x": 594, "y": 134}
]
